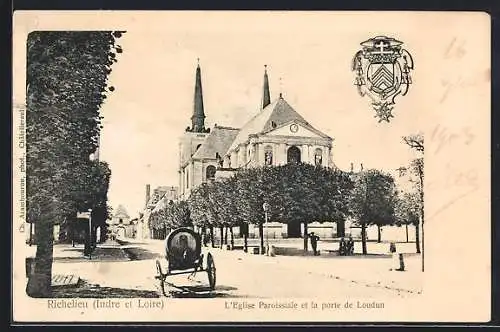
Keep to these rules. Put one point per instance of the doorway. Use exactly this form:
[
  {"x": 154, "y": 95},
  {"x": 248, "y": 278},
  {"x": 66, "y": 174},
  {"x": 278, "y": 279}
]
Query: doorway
[{"x": 293, "y": 155}]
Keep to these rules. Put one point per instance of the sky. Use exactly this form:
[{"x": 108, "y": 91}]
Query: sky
[{"x": 153, "y": 101}]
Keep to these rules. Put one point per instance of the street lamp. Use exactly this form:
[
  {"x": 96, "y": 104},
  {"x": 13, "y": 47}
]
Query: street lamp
[
  {"x": 90, "y": 233},
  {"x": 265, "y": 207}
]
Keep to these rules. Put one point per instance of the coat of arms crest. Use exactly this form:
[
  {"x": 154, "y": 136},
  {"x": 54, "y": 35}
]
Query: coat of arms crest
[{"x": 382, "y": 69}]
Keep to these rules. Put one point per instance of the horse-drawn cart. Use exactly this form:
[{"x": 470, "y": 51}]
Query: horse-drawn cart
[{"x": 184, "y": 255}]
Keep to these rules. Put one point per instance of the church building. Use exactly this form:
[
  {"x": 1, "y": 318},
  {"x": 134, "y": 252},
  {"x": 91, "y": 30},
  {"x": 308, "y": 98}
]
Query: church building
[{"x": 276, "y": 135}]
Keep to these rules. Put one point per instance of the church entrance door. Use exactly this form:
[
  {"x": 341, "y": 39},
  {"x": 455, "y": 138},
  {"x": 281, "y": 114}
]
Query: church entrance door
[
  {"x": 293, "y": 155},
  {"x": 294, "y": 230}
]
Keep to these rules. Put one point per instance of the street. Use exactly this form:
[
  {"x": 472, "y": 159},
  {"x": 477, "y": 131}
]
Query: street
[{"x": 130, "y": 270}]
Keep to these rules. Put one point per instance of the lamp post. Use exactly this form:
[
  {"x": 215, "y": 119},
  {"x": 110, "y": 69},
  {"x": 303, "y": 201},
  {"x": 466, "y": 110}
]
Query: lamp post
[
  {"x": 92, "y": 157},
  {"x": 265, "y": 207},
  {"x": 90, "y": 233}
]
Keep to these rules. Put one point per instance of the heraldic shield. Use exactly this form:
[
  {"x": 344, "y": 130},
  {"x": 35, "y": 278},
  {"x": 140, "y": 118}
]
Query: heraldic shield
[{"x": 382, "y": 69}]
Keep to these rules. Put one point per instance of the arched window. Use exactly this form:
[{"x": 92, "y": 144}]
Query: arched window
[
  {"x": 187, "y": 179},
  {"x": 293, "y": 155},
  {"x": 268, "y": 155},
  {"x": 197, "y": 147},
  {"x": 210, "y": 172},
  {"x": 318, "y": 157}
]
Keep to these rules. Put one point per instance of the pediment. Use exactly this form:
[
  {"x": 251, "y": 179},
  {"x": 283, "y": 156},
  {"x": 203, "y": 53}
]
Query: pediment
[{"x": 296, "y": 129}]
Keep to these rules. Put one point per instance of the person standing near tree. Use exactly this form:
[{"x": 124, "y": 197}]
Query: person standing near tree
[
  {"x": 314, "y": 243},
  {"x": 350, "y": 246},
  {"x": 342, "y": 247}
]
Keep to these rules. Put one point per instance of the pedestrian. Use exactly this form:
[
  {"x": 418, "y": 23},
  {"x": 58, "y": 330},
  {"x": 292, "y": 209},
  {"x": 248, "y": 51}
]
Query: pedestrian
[
  {"x": 342, "y": 247},
  {"x": 350, "y": 246},
  {"x": 395, "y": 256},
  {"x": 314, "y": 243}
]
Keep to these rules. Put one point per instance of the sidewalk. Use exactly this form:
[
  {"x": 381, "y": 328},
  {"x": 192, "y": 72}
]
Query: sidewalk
[{"x": 65, "y": 253}]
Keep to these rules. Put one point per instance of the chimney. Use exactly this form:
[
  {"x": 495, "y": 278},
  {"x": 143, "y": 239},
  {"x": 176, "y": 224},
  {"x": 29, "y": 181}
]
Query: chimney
[{"x": 148, "y": 194}]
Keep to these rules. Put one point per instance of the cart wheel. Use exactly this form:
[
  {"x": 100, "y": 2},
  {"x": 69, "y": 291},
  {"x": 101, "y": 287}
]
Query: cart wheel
[
  {"x": 211, "y": 271},
  {"x": 161, "y": 277}
]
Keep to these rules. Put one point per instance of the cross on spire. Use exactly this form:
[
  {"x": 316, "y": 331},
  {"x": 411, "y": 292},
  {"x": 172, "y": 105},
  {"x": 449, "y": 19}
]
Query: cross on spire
[{"x": 281, "y": 88}]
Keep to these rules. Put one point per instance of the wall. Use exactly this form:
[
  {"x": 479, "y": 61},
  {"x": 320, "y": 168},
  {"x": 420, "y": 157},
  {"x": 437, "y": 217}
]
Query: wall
[{"x": 388, "y": 233}]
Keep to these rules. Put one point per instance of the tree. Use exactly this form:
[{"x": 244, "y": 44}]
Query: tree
[
  {"x": 295, "y": 193},
  {"x": 228, "y": 198},
  {"x": 407, "y": 211},
  {"x": 197, "y": 206},
  {"x": 372, "y": 201},
  {"x": 66, "y": 85},
  {"x": 416, "y": 142},
  {"x": 178, "y": 214},
  {"x": 250, "y": 186}
]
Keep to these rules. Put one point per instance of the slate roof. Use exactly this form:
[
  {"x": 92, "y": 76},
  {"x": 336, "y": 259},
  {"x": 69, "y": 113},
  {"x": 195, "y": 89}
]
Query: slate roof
[
  {"x": 272, "y": 116},
  {"x": 218, "y": 141},
  {"x": 160, "y": 205}
]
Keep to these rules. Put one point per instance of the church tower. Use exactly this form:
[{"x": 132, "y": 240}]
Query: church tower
[
  {"x": 198, "y": 117},
  {"x": 266, "y": 96},
  {"x": 193, "y": 139}
]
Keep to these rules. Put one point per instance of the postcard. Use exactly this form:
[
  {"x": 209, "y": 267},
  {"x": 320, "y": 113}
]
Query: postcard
[{"x": 251, "y": 166}]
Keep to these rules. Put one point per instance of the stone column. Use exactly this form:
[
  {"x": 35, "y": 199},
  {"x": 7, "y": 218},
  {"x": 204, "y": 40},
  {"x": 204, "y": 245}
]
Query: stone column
[
  {"x": 192, "y": 182},
  {"x": 324, "y": 153},
  {"x": 330, "y": 157},
  {"x": 282, "y": 153},
  {"x": 284, "y": 230},
  {"x": 305, "y": 154},
  {"x": 183, "y": 184},
  {"x": 180, "y": 180},
  {"x": 260, "y": 154},
  {"x": 242, "y": 155}
]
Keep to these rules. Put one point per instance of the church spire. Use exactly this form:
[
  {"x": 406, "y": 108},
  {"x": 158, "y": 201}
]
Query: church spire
[
  {"x": 198, "y": 118},
  {"x": 266, "y": 99}
]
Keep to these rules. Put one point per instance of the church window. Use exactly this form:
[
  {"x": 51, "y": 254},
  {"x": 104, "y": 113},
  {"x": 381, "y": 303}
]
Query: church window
[
  {"x": 197, "y": 147},
  {"x": 210, "y": 172},
  {"x": 187, "y": 179},
  {"x": 268, "y": 155},
  {"x": 318, "y": 157}
]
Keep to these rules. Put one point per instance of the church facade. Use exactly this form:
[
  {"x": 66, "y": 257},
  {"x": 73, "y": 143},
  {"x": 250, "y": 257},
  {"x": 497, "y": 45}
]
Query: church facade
[{"x": 276, "y": 135}]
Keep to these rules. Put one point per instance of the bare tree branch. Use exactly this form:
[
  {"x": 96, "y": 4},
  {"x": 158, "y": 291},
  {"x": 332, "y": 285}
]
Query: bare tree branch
[{"x": 415, "y": 141}]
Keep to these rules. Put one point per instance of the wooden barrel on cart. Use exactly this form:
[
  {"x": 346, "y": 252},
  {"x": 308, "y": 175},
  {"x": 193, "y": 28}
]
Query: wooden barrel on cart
[{"x": 183, "y": 248}]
